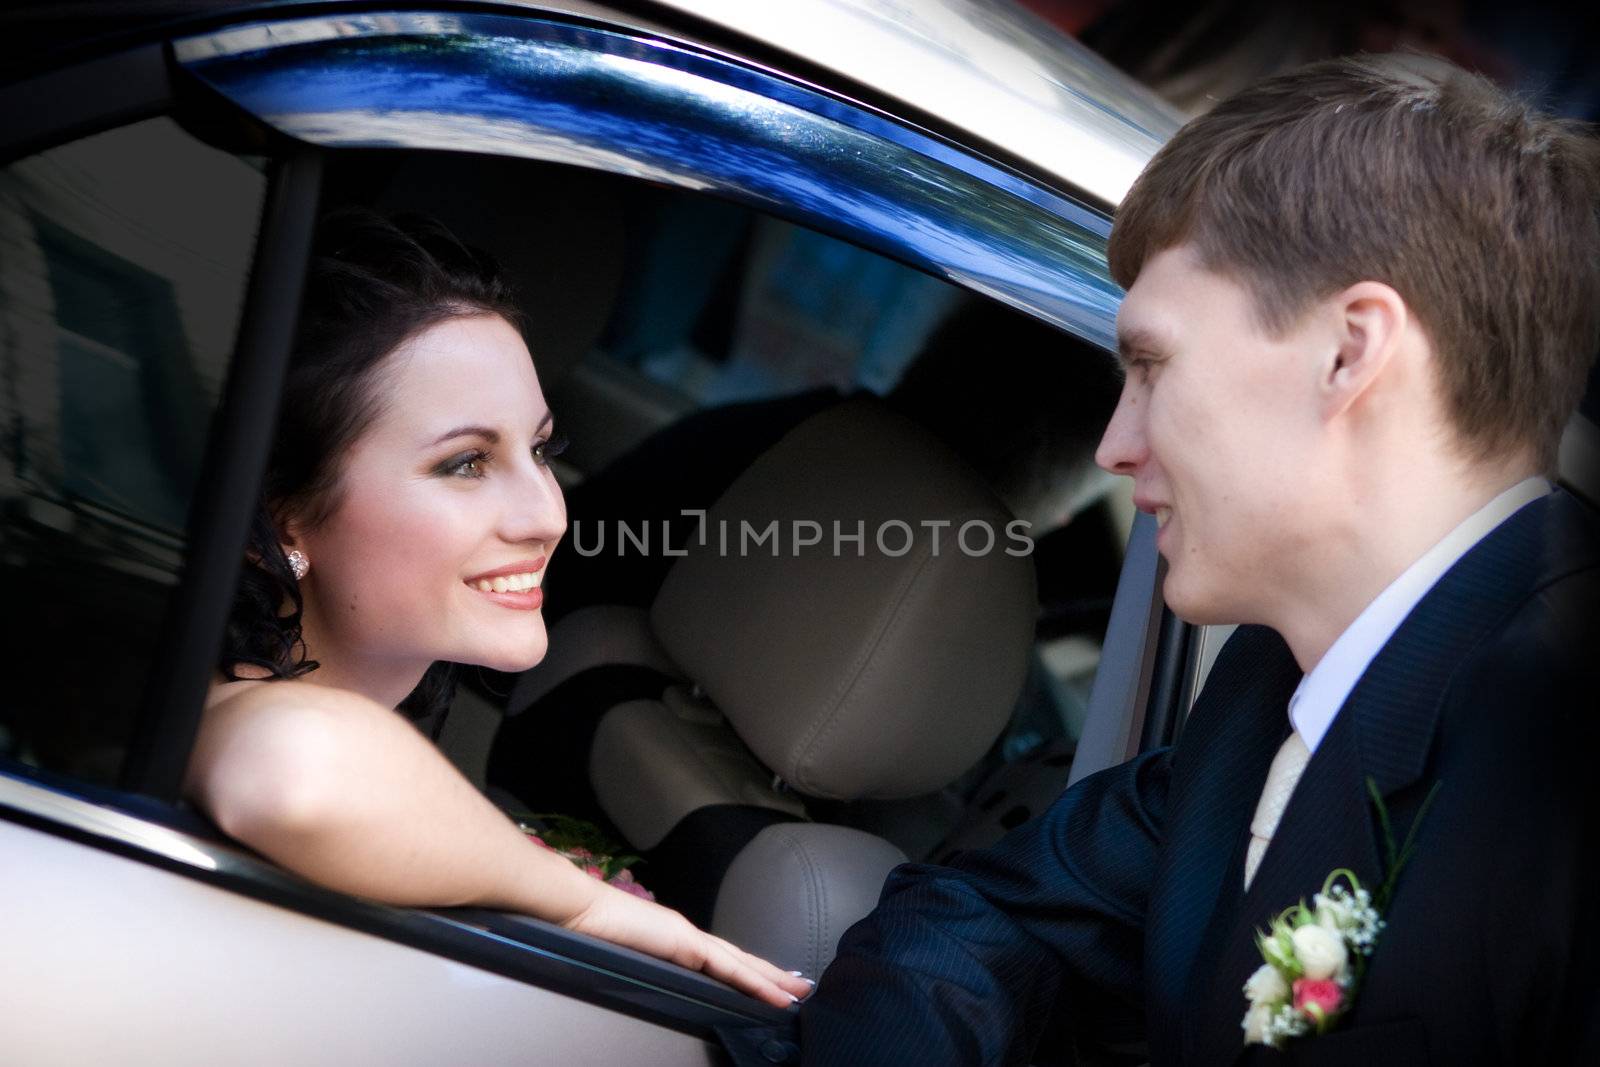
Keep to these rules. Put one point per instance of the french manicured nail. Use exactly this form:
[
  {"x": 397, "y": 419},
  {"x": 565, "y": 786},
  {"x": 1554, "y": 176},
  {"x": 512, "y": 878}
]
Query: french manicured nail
[{"x": 797, "y": 974}]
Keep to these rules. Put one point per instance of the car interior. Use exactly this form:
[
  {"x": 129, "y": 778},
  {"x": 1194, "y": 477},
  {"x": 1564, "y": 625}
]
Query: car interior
[{"x": 771, "y": 731}]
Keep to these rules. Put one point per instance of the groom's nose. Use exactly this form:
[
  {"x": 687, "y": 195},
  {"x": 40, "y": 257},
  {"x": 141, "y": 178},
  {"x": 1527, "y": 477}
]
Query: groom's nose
[{"x": 1123, "y": 447}]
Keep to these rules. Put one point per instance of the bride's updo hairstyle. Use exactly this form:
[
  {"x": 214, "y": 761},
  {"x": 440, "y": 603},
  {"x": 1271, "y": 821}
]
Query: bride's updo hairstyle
[{"x": 374, "y": 283}]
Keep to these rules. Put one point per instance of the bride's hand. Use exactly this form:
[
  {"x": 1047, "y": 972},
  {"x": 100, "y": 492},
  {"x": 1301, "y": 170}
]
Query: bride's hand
[{"x": 629, "y": 920}]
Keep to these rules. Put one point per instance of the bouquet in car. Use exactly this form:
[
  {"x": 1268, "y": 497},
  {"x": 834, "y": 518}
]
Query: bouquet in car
[{"x": 587, "y": 846}]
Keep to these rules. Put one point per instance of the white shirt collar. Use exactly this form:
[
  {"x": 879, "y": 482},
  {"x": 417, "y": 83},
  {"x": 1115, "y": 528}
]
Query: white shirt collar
[{"x": 1322, "y": 692}]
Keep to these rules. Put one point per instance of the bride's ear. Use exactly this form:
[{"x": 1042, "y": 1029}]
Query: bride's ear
[{"x": 290, "y": 543}]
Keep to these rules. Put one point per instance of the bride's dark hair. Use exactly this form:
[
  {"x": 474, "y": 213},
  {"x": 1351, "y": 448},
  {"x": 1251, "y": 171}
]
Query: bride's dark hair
[{"x": 374, "y": 282}]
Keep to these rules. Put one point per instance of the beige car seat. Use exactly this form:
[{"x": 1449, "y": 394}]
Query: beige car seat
[
  {"x": 788, "y": 677},
  {"x": 879, "y": 667}
]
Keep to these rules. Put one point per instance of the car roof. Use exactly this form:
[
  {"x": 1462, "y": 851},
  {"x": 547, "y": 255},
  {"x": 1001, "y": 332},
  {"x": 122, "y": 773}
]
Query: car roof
[{"x": 992, "y": 75}]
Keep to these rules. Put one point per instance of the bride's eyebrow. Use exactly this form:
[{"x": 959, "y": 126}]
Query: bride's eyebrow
[{"x": 487, "y": 433}]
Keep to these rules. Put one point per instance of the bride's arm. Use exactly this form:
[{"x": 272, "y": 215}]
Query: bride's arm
[{"x": 349, "y": 795}]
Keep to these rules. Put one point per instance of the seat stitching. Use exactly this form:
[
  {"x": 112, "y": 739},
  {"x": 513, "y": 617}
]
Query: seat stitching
[
  {"x": 890, "y": 620},
  {"x": 817, "y": 892}
]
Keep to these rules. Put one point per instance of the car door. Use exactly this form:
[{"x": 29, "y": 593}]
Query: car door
[{"x": 156, "y": 244}]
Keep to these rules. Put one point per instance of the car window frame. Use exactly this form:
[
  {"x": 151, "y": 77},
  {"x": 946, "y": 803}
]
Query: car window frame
[
  {"x": 235, "y": 459},
  {"x": 66, "y": 105},
  {"x": 266, "y": 66}
]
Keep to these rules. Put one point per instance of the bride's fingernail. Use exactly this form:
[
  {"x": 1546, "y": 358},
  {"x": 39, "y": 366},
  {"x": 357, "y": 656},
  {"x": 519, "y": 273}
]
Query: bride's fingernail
[
  {"x": 793, "y": 999},
  {"x": 797, "y": 974}
]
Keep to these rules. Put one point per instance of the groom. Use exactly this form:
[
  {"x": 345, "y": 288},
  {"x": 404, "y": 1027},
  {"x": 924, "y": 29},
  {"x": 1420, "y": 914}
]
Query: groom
[{"x": 1362, "y": 303}]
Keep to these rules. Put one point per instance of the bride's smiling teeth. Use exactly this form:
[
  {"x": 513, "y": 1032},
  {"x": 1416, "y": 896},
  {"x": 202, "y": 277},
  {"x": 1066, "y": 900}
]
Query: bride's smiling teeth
[
  {"x": 511, "y": 583},
  {"x": 1162, "y": 515}
]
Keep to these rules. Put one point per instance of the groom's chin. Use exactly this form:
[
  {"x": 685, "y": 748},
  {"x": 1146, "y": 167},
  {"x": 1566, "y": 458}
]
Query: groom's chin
[{"x": 1196, "y": 606}]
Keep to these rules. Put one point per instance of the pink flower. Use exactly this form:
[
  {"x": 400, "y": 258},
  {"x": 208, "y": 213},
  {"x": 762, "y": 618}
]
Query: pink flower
[
  {"x": 536, "y": 839},
  {"x": 594, "y": 872},
  {"x": 624, "y": 881},
  {"x": 581, "y": 854},
  {"x": 1319, "y": 998}
]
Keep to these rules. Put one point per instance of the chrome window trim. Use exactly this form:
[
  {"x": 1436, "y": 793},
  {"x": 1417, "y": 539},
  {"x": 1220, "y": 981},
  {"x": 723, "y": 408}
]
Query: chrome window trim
[
  {"x": 516, "y": 947},
  {"x": 99, "y": 821},
  {"x": 604, "y": 99},
  {"x": 1119, "y": 699},
  {"x": 993, "y": 70}
]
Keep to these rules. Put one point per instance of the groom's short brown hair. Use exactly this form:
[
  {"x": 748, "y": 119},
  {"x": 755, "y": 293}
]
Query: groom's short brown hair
[{"x": 1477, "y": 209}]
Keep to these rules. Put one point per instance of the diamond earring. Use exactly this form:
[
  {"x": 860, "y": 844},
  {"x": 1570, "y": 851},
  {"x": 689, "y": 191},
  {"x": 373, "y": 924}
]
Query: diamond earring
[{"x": 298, "y": 563}]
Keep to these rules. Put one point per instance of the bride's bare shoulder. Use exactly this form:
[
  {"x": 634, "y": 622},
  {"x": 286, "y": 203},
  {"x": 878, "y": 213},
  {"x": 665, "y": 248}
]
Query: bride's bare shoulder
[
  {"x": 249, "y": 697},
  {"x": 277, "y": 728}
]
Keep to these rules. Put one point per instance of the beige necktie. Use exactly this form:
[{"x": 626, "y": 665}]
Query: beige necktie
[{"x": 1282, "y": 777}]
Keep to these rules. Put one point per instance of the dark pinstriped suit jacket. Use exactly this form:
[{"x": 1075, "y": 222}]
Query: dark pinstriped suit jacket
[{"x": 1128, "y": 890}]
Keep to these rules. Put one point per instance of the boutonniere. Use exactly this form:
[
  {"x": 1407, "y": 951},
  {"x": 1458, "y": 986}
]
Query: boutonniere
[{"x": 1314, "y": 955}]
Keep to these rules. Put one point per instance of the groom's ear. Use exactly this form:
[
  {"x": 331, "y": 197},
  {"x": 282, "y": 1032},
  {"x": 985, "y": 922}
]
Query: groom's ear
[{"x": 1369, "y": 322}]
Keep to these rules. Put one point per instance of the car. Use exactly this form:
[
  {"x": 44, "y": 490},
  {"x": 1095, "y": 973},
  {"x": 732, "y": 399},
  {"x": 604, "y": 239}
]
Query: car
[{"x": 716, "y": 205}]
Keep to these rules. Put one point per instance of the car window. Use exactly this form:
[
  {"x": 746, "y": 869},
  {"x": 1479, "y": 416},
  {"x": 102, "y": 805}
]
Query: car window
[
  {"x": 728, "y": 306},
  {"x": 125, "y": 256},
  {"x": 737, "y": 311},
  {"x": 678, "y": 336},
  {"x": 782, "y": 309}
]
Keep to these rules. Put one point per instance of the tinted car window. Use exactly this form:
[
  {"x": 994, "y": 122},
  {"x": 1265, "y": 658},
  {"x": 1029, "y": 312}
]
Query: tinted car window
[{"x": 123, "y": 259}]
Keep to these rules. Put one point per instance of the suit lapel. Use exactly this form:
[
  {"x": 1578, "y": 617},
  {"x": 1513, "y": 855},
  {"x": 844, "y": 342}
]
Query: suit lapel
[
  {"x": 1222, "y": 880},
  {"x": 1328, "y": 824},
  {"x": 1229, "y": 738},
  {"x": 1384, "y": 730}
]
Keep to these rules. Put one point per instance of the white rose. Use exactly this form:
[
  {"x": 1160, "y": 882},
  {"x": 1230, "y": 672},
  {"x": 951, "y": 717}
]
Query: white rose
[
  {"x": 1255, "y": 1024},
  {"x": 1331, "y": 915},
  {"x": 1320, "y": 952},
  {"x": 1265, "y": 984}
]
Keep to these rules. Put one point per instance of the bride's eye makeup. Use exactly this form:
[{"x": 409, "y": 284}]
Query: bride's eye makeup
[
  {"x": 469, "y": 464},
  {"x": 472, "y": 463},
  {"x": 548, "y": 449}
]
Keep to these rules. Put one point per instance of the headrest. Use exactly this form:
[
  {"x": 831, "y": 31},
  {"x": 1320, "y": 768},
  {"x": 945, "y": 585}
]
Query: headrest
[{"x": 879, "y": 666}]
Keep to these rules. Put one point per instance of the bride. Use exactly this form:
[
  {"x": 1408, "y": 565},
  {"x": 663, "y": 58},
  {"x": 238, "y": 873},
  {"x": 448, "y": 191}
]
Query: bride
[{"x": 409, "y": 515}]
